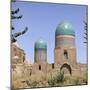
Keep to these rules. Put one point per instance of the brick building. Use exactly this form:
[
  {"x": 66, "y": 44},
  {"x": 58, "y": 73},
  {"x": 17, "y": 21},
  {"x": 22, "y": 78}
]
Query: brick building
[{"x": 65, "y": 57}]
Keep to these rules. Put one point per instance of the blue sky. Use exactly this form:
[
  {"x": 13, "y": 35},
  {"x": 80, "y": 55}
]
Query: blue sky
[{"x": 42, "y": 20}]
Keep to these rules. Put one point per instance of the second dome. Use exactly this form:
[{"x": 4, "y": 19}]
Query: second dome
[{"x": 40, "y": 44}]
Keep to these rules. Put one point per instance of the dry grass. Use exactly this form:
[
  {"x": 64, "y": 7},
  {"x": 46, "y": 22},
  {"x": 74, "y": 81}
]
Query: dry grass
[{"x": 41, "y": 80}]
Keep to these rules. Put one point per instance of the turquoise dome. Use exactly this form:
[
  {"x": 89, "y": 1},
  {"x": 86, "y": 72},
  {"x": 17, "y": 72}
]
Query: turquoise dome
[
  {"x": 65, "y": 28},
  {"x": 40, "y": 44}
]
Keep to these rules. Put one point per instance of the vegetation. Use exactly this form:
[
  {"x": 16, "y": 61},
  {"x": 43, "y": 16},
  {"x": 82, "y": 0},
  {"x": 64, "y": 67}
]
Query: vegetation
[
  {"x": 34, "y": 84},
  {"x": 76, "y": 81},
  {"x": 13, "y": 17},
  {"x": 57, "y": 80},
  {"x": 86, "y": 32}
]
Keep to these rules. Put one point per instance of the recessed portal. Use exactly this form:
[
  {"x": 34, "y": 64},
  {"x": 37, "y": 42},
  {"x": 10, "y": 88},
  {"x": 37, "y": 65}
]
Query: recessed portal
[{"x": 66, "y": 69}]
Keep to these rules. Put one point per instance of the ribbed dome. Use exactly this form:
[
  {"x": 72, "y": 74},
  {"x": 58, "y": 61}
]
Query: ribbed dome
[
  {"x": 65, "y": 28},
  {"x": 40, "y": 44}
]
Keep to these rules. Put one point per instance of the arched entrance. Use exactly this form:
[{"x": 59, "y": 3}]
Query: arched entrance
[{"x": 66, "y": 69}]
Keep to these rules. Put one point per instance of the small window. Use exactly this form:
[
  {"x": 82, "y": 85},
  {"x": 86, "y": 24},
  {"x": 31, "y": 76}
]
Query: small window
[
  {"x": 65, "y": 54},
  {"x": 52, "y": 66},
  {"x": 23, "y": 58},
  {"x": 39, "y": 67}
]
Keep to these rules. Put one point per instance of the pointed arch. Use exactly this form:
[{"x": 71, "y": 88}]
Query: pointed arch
[{"x": 67, "y": 66}]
